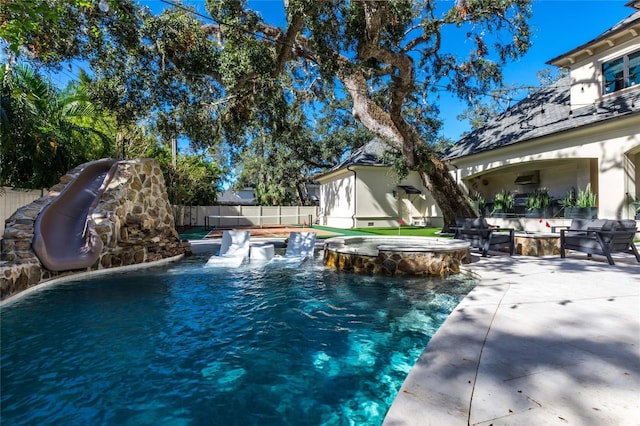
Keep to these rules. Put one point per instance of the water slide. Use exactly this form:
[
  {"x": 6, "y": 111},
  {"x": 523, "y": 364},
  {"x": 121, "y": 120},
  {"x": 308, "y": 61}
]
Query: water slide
[{"x": 64, "y": 237}]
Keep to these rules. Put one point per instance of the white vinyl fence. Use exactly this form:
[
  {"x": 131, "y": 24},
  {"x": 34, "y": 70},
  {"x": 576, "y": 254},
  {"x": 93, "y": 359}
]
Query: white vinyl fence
[
  {"x": 227, "y": 216},
  {"x": 12, "y": 199},
  {"x": 218, "y": 216}
]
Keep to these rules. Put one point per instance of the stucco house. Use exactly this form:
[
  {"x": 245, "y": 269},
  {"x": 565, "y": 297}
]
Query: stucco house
[
  {"x": 363, "y": 191},
  {"x": 582, "y": 130}
]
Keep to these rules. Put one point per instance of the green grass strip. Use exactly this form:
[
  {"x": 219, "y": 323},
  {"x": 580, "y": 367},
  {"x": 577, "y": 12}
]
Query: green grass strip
[
  {"x": 414, "y": 231},
  {"x": 340, "y": 231},
  {"x": 195, "y": 233}
]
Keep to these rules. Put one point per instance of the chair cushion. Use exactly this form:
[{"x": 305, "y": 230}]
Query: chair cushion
[
  {"x": 499, "y": 238},
  {"x": 582, "y": 243},
  {"x": 608, "y": 225},
  {"x": 473, "y": 223},
  {"x": 624, "y": 225},
  {"x": 584, "y": 224}
]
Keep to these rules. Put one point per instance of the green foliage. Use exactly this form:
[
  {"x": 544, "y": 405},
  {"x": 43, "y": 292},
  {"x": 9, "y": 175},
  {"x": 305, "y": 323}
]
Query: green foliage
[
  {"x": 195, "y": 180},
  {"x": 539, "y": 199},
  {"x": 503, "y": 200},
  {"x": 478, "y": 201},
  {"x": 55, "y": 31},
  {"x": 586, "y": 198},
  {"x": 128, "y": 81},
  {"x": 232, "y": 83},
  {"x": 569, "y": 200},
  {"x": 45, "y": 131},
  {"x": 278, "y": 166}
]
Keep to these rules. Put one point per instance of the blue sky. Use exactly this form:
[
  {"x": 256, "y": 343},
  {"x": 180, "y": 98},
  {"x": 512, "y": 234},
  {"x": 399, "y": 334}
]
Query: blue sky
[{"x": 558, "y": 26}]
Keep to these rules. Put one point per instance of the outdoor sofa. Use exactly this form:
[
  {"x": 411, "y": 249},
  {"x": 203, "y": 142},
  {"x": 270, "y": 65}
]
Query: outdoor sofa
[
  {"x": 599, "y": 236},
  {"x": 483, "y": 236}
]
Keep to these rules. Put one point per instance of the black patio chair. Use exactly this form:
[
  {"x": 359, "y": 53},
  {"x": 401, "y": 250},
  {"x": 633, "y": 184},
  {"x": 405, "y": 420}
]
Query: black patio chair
[
  {"x": 483, "y": 236},
  {"x": 600, "y": 236}
]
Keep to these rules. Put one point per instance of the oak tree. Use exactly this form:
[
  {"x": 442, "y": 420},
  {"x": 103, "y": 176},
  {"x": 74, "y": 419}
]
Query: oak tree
[{"x": 222, "y": 75}]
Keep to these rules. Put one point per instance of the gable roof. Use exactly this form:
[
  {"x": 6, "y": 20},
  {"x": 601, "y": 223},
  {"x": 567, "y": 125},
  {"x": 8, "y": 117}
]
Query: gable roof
[
  {"x": 548, "y": 110},
  {"x": 370, "y": 154},
  {"x": 545, "y": 112},
  {"x": 620, "y": 32}
]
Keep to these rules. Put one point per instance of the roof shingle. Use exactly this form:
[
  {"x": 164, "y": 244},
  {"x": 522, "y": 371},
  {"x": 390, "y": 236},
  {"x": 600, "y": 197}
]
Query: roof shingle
[{"x": 545, "y": 112}]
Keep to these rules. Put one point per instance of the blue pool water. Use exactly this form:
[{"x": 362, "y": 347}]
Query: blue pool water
[{"x": 187, "y": 345}]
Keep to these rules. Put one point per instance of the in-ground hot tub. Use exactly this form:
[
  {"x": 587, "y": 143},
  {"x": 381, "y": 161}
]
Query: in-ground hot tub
[{"x": 396, "y": 255}]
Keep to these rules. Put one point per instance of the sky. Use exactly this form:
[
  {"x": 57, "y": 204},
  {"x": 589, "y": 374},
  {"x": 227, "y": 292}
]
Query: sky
[{"x": 557, "y": 27}]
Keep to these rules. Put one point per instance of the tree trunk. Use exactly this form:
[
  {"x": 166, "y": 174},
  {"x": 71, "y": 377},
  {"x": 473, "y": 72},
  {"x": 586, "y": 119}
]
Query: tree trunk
[
  {"x": 447, "y": 193},
  {"x": 301, "y": 197},
  {"x": 433, "y": 172},
  {"x": 390, "y": 123}
]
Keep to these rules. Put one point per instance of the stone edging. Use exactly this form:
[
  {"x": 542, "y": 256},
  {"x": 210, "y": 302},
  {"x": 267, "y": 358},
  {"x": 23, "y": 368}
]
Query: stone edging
[{"x": 80, "y": 275}]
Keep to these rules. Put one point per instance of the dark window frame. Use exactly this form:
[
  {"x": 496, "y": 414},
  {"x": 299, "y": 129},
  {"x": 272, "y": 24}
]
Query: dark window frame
[{"x": 619, "y": 71}]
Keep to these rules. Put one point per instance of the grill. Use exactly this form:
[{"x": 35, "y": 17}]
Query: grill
[
  {"x": 520, "y": 204},
  {"x": 520, "y": 200}
]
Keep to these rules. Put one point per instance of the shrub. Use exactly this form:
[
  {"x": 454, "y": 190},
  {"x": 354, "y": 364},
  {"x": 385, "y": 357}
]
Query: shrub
[
  {"x": 539, "y": 199},
  {"x": 586, "y": 198},
  {"x": 503, "y": 200}
]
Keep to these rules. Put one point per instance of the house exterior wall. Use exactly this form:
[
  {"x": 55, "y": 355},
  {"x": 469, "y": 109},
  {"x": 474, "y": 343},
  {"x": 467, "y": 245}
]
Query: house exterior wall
[
  {"x": 423, "y": 207},
  {"x": 587, "y": 78},
  {"x": 337, "y": 202},
  {"x": 375, "y": 204},
  {"x": 604, "y": 155},
  {"x": 596, "y": 143},
  {"x": 363, "y": 196},
  {"x": 633, "y": 181}
]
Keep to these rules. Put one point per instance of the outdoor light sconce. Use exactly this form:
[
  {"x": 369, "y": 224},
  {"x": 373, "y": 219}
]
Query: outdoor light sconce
[{"x": 394, "y": 193}]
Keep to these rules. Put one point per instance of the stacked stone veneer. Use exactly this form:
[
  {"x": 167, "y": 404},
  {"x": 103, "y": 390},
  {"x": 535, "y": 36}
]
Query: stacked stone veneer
[
  {"x": 537, "y": 244},
  {"x": 133, "y": 217},
  {"x": 440, "y": 263}
]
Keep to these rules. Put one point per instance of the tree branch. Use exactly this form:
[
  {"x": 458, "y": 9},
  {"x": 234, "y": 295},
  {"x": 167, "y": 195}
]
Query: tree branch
[{"x": 286, "y": 45}]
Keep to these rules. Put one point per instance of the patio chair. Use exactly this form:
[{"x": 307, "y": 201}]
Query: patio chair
[
  {"x": 483, "y": 236},
  {"x": 600, "y": 236},
  {"x": 300, "y": 247},
  {"x": 234, "y": 249}
]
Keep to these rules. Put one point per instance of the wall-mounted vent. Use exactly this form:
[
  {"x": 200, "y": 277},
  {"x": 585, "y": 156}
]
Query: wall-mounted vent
[{"x": 529, "y": 178}]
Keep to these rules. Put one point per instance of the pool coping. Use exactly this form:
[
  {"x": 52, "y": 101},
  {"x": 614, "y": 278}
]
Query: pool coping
[
  {"x": 45, "y": 284},
  {"x": 343, "y": 244},
  {"x": 540, "y": 340}
]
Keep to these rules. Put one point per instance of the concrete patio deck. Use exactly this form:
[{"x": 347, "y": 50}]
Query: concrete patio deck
[{"x": 540, "y": 341}]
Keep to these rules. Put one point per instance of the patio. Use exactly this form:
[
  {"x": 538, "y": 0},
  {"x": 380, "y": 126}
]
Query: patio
[{"x": 539, "y": 341}]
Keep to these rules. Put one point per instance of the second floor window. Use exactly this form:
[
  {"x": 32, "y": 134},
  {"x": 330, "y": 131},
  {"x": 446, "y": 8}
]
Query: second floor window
[{"x": 621, "y": 73}]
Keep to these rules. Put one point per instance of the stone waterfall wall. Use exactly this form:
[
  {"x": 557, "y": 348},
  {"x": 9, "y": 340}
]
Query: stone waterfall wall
[{"x": 134, "y": 219}]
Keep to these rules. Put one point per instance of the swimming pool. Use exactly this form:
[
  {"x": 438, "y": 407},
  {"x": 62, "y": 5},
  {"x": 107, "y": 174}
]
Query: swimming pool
[{"x": 186, "y": 345}]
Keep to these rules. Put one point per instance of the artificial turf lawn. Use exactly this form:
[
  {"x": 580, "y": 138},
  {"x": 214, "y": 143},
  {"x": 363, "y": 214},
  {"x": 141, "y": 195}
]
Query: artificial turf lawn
[
  {"x": 416, "y": 231},
  {"x": 200, "y": 232}
]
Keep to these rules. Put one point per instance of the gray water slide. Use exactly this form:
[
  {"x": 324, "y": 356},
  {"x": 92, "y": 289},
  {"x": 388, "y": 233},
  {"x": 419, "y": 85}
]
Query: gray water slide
[{"x": 64, "y": 237}]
